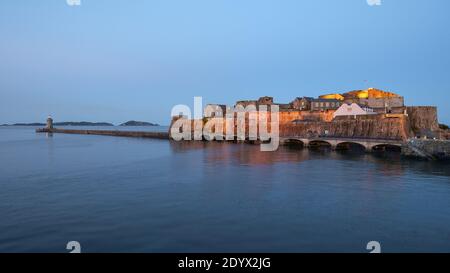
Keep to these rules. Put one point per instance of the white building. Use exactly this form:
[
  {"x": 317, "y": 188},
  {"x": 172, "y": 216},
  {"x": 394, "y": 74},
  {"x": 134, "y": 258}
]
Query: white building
[{"x": 353, "y": 110}]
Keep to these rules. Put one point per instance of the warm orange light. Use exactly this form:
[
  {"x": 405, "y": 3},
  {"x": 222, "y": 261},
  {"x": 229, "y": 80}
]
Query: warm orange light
[
  {"x": 371, "y": 93},
  {"x": 363, "y": 94},
  {"x": 332, "y": 97}
]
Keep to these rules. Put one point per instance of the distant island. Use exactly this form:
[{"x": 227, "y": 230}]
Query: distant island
[
  {"x": 25, "y": 124},
  {"x": 66, "y": 123},
  {"x": 85, "y": 123},
  {"x": 138, "y": 123}
]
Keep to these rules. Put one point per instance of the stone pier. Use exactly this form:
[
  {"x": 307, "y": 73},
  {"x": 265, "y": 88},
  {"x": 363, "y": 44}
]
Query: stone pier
[{"x": 157, "y": 135}]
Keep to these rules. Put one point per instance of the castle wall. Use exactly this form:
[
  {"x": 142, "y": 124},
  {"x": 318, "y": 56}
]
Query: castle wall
[
  {"x": 287, "y": 117},
  {"x": 423, "y": 118},
  {"x": 379, "y": 126},
  {"x": 445, "y": 134},
  {"x": 379, "y": 102},
  {"x": 374, "y": 127}
]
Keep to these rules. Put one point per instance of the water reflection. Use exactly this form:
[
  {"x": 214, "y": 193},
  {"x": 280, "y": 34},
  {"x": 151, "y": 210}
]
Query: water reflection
[
  {"x": 169, "y": 196},
  {"x": 389, "y": 163}
]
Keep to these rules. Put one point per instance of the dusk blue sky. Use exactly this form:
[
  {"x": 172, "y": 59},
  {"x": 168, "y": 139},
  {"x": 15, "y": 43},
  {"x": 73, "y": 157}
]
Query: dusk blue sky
[{"x": 116, "y": 60}]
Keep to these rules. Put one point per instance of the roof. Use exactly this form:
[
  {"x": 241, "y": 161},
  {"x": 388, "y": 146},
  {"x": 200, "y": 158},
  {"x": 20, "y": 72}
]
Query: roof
[
  {"x": 306, "y": 98},
  {"x": 332, "y": 96},
  {"x": 215, "y": 104},
  {"x": 359, "y": 104},
  {"x": 325, "y": 100},
  {"x": 370, "y": 93},
  {"x": 283, "y": 105}
]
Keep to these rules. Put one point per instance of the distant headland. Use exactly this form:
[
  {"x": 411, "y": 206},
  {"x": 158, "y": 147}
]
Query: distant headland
[
  {"x": 85, "y": 123},
  {"x": 65, "y": 123}
]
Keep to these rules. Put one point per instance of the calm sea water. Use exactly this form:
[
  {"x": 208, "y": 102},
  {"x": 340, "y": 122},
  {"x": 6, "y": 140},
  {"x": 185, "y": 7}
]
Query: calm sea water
[{"x": 115, "y": 194}]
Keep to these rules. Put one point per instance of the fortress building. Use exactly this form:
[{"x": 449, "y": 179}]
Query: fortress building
[
  {"x": 379, "y": 100},
  {"x": 325, "y": 104},
  {"x": 313, "y": 104},
  {"x": 353, "y": 110},
  {"x": 268, "y": 101},
  {"x": 370, "y": 113},
  {"x": 261, "y": 101},
  {"x": 369, "y": 101}
]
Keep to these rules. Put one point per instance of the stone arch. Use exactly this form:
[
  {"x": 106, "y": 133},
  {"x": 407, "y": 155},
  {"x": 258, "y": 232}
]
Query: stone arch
[
  {"x": 295, "y": 143},
  {"x": 350, "y": 146},
  {"x": 387, "y": 147},
  {"x": 318, "y": 143}
]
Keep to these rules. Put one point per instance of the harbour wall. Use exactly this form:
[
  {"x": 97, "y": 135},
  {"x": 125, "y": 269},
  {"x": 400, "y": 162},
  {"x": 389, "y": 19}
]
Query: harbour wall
[
  {"x": 410, "y": 122},
  {"x": 157, "y": 135}
]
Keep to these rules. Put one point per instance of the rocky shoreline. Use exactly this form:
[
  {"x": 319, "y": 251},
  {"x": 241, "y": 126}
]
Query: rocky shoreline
[{"x": 427, "y": 149}]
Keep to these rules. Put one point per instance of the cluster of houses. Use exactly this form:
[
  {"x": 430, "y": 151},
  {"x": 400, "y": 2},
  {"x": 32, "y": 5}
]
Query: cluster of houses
[{"x": 360, "y": 102}]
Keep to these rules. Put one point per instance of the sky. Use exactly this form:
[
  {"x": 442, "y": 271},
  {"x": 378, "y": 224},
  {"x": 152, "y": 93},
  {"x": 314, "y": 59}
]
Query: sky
[{"x": 118, "y": 60}]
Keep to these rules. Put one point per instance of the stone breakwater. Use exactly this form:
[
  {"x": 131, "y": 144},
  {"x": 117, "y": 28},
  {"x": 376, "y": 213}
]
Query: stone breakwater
[{"x": 157, "y": 135}]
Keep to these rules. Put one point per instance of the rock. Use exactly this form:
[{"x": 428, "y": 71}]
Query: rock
[
  {"x": 427, "y": 149},
  {"x": 423, "y": 118}
]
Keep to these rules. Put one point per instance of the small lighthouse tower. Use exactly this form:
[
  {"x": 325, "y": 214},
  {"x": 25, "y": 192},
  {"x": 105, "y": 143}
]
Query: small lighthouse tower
[{"x": 49, "y": 123}]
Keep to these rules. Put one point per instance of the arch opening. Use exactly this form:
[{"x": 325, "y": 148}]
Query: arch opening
[
  {"x": 319, "y": 144},
  {"x": 350, "y": 146},
  {"x": 387, "y": 148},
  {"x": 294, "y": 143}
]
